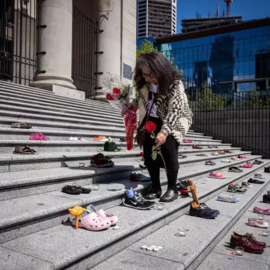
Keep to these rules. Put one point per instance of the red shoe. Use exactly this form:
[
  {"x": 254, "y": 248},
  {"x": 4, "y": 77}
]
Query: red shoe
[
  {"x": 240, "y": 156},
  {"x": 248, "y": 246},
  {"x": 251, "y": 238}
]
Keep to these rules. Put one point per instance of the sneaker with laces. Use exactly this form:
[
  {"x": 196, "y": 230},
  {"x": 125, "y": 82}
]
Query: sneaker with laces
[
  {"x": 203, "y": 211},
  {"x": 217, "y": 175},
  {"x": 227, "y": 198},
  {"x": 136, "y": 200}
]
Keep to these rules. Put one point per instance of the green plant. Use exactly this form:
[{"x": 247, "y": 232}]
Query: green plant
[
  {"x": 209, "y": 101},
  {"x": 146, "y": 46}
]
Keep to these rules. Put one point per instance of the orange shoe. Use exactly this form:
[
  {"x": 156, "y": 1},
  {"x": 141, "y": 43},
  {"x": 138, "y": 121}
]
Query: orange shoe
[{"x": 100, "y": 138}]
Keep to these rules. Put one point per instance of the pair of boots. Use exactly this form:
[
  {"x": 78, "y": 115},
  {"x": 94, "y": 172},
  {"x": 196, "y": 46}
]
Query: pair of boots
[{"x": 155, "y": 191}]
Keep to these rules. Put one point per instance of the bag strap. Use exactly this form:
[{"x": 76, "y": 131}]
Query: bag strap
[{"x": 146, "y": 117}]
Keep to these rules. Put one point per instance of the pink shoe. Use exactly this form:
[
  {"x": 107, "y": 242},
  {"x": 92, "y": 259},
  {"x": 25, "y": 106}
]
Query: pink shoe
[
  {"x": 217, "y": 175},
  {"x": 261, "y": 211},
  {"x": 38, "y": 137},
  {"x": 187, "y": 141},
  {"x": 93, "y": 222},
  {"x": 246, "y": 165},
  {"x": 112, "y": 218},
  {"x": 255, "y": 222}
]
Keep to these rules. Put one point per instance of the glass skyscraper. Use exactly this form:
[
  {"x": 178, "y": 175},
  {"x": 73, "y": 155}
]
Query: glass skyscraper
[{"x": 231, "y": 58}]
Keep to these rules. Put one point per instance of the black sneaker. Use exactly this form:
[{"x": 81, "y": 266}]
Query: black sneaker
[
  {"x": 255, "y": 181},
  {"x": 235, "y": 169},
  {"x": 267, "y": 169},
  {"x": 111, "y": 146},
  {"x": 259, "y": 162},
  {"x": 99, "y": 161},
  {"x": 136, "y": 200},
  {"x": 203, "y": 212},
  {"x": 266, "y": 198}
]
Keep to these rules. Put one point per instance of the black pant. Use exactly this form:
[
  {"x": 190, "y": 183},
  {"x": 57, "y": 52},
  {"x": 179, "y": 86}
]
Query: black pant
[{"x": 169, "y": 152}]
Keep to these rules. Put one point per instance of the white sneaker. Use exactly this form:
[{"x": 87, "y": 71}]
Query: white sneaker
[{"x": 226, "y": 161}]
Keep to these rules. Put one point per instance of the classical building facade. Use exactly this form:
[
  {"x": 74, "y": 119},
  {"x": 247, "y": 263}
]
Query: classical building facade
[{"x": 67, "y": 46}]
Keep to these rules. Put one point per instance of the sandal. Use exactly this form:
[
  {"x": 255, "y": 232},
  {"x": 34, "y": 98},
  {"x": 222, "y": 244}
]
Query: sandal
[
  {"x": 24, "y": 150},
  {"x": 21, "y": 125},
  {"x": 75, "y": 189},
  {"x": 210, "y": 162}
]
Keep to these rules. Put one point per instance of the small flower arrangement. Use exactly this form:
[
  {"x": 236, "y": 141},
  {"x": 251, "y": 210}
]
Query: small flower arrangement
[{"x": 150, "y": 127}]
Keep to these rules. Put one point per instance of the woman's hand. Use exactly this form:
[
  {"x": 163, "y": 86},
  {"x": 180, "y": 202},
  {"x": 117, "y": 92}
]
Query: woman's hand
[{"x": 160, "y": 139}]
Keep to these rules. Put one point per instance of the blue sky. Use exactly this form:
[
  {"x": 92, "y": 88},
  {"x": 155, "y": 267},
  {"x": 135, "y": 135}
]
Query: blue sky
[{"x": 249, "y": 9}]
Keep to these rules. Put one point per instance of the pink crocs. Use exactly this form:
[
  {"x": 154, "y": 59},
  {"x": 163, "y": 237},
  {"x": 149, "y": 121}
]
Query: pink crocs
[
  {"x": 112, "y": 218},
  {"x": 246, "y": 165},
  {"x": 93, "y": 222},
  {"x": 217, "y": 175},
  {"x": 38, "y": 137}
]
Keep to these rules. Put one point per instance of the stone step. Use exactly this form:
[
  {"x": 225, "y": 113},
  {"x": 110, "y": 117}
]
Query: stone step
[
  {"x": 42, "y": 240},
  {"x": 23, "y": 134},
  {"x": 222, "y": 256},
  {"x": 24, "y": 117},
  {"x": 50, "y": 96},
  {"x": 5, "y": 122},
  {"x": 22, "y": 104},
  {"x": 5, "y": 109},
  {"x": 15, "y": 163},
  {"x": 104, "y": 198},
  {"x": 7, "y": 146},
  {"x": 201, "y": 235},
  {"x": 19, "y": 182}
]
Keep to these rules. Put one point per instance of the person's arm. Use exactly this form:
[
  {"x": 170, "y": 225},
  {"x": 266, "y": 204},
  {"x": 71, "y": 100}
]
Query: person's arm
[{"x": 175, "y": 109}]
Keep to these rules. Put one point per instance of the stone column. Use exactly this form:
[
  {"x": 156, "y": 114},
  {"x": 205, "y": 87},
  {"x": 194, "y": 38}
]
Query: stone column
[
  {"x": 55, "y": 41},
  {"x": 109, "y": 41}
]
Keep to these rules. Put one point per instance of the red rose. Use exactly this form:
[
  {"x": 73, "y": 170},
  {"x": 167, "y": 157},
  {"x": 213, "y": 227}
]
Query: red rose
[
  {"x": 110, "y": 97},
  {"x": 116, "y": 92},
  {"x": 150, "y": 127}
]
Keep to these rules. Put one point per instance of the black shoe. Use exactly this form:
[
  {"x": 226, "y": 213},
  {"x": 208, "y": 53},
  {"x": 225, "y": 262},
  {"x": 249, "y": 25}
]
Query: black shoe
[
  {"x": 255, "y": 181},
  {"x": 135, "y": 200},
  {"x": 170, "y": 195},
  {"x": 235, "y": 169},
  {"x": 182, "y": 185},
  {"x": 100, "y": 161},
  {"x": 153, "y": 194},
  {"x": 203, "y": 212},
  {"x": 266, "y": 198},
  {"x": 267, "y": 169},
  {"x": 259, "y": 162}
]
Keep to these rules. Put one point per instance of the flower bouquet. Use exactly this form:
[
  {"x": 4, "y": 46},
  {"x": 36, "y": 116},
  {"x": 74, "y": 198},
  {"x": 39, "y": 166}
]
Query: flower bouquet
[{"x": 117, "y": 94}]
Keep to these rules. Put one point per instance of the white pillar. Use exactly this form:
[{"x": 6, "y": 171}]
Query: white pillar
[{"x": 56, "y": 40}]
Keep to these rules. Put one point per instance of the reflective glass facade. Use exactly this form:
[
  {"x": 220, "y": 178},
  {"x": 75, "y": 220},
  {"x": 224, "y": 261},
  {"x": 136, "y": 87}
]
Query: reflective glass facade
[{"x": 233, "y": 61}]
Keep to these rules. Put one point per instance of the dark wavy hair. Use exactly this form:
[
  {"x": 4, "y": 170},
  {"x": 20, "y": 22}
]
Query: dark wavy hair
[{"x": 159, "y": 67}]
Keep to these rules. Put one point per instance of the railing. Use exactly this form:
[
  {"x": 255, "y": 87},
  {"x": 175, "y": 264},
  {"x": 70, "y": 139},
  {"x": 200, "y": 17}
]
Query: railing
[
  {"x": 84, "y": 57},
  {"x": 242, "y": 119},
  {"x": 18, "y": 61}
]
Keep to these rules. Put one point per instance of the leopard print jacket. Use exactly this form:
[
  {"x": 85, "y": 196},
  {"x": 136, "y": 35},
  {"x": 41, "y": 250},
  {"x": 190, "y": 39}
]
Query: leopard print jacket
[{"x": 173, "y": 109}]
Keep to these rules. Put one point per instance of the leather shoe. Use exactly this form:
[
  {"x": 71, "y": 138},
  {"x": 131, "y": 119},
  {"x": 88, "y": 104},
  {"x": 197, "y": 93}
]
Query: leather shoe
[
  {"x": 169, "y": 196},
  {"x": 153, "y": 194}
]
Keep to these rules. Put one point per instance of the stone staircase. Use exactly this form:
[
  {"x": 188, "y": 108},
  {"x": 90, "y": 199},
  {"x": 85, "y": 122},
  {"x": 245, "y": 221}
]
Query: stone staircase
[{"x": 33, "y": 208}]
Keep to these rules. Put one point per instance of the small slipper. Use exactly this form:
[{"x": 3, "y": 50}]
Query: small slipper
[
  {"x": 24, "y": 150},
  {"x": 210, "y": 162}
]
